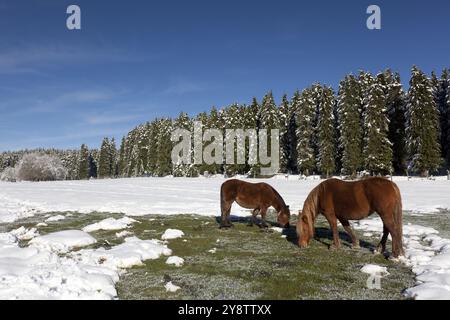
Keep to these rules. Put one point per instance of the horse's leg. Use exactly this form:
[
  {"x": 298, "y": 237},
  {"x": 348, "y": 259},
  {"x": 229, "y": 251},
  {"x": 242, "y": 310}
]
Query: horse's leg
[
  {"x": 382, "y": 245},
  {"x": 225, "y": 221},
  {"x": 396, "y": 242},
  {"x": 253, "y": 218},
  {"x": 333, "y": 225},
  {"x": 392, "y": 228},
  {"x": 348, "y": 229},
  {"x": 263, "y": 212}
]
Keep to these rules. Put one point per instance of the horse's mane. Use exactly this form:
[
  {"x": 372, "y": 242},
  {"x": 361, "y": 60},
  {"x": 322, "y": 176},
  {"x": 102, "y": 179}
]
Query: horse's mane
[{"x": 313, "y": 199}]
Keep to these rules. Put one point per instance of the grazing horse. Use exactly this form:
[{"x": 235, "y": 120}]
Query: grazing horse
[
  {"x": 355, "y": 200},
  {"x": 256, "y": 196}
]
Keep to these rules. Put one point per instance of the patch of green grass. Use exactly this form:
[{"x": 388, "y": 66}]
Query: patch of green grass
[{"x": 253, "y": 264}]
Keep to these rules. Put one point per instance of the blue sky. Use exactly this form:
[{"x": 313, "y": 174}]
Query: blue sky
[{"x": 137, "y": 60}]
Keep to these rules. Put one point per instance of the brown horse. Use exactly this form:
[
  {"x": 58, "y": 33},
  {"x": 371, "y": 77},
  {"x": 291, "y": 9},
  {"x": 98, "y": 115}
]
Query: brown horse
[
  {"x": 356, "y": 200},
  {"x": 256, "y": 196}
]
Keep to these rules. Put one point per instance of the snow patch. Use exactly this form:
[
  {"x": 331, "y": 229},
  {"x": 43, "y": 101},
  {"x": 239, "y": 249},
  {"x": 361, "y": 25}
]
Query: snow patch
[
  {"x": 110, "y": 224},
  {"x": 177, "y": 261},
  {"x": 170, "y": 287},
  {"x": 133, "y": 252},
  {"x": 426, "y": 253},
  {"x": 55, "y": 218},
  {"x": 23, "y": 233},
  {"x": 63, "y": 241},
  {"x": 277, "y": 229},
  {"x": 172, "y": 234},
  {"x": 374, "y": 269},
  {"x": 38, "y": 272},
  {"x": 123, "y": 234}
]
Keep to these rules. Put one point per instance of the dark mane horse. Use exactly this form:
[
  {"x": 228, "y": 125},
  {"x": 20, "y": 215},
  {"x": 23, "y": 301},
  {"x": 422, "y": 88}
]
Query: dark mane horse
[
  {"x": 355, "y": 200},
  {"x": 256, "y": 196}
]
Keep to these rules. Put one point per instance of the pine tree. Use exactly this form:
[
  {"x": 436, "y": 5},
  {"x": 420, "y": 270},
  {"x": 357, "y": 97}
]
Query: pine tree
[
  {"x": 396, "y": 109},
  {"x": 350, "y": 125},
  {"x": 247, "y": 122},
  {"x": 293, "y": 124},
  {"x": 183, "y": 169},
  {"x": 113, "y": 164},
  {"x": 270, "y": 120},
  {"x": 122, "y": 159},
  {"x": 326, "y": 133},
  {"x": 164, "y": 148},
  {"x": 441, "y": 92},
  {"x": 83, "y": 167},
  {"x": 213, "y": 121},
  {"x": 254, "y": 122},
  {"x": 377, "y": 147},
  {"x": 232, "y": 118},
  {"x": 152, "y": 153},
  {"x": 365, "y": 82},
  {"x": 104, "y": 160},
  {"x": 423, "y": 125},
  {"x": 316, "y": 94},
  {"x": 92, "y": 164},
  {"x": 305, "y": 132},
  {"x": 447, "y": 141},
  {"x": 285, "y": 118},
  {"x": 202, "y": 117},
  {"x": 69, "y": 159}
]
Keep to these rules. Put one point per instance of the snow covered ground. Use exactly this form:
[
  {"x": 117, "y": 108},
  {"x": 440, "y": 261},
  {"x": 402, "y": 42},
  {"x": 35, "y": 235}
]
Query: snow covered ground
[
  {"x": 142, "y": 196},
  {"x": 49, "y": 268}
]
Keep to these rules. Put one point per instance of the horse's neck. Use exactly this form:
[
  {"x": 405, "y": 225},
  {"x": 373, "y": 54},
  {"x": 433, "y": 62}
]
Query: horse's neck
[{"x": 278, "y": 204}]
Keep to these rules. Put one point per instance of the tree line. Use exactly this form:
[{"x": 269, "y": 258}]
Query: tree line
[{"x": 370, "y": 125}]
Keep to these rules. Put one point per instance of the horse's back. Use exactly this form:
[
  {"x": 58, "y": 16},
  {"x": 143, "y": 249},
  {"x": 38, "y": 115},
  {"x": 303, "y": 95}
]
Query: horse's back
[
  {"x": 360, "y": 197},
  {"x": 249, "y": 195}
]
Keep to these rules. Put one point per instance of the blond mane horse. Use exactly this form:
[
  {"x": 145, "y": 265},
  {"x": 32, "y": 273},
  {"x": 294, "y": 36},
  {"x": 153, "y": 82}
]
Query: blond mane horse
[{"x": 355, "y": 200}]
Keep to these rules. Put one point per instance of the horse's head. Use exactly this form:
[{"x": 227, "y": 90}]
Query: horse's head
[
  {"x": 283, "y": 217},
  {"x": 306, "y": 219},
  {"x": 305, "y": 229}
]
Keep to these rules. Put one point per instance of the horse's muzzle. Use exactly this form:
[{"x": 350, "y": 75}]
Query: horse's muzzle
[{"x": 287, "y": 225}]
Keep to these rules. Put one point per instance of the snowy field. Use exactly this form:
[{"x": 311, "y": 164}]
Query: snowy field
[
  {"x": 54, "y": 266},
  {"x": 143, "y": 196}
]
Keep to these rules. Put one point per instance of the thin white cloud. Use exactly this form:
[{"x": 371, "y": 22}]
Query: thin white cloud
[
  {"x": 32, "y": 58},
  {"x": 181, "y": 86},
  {"x": 58, "y": 102},
  {"x": 75, "y": 138},
  {"x": 100, "y": 119}
]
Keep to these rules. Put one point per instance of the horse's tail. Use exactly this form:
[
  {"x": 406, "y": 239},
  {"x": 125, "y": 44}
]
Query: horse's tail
[{"x": 398, "y": 217}]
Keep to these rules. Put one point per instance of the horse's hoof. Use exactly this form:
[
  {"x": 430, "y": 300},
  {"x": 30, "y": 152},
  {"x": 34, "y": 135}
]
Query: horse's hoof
[
  {"x": 394, "y": 258},
  {"x": 356, "y": 247}
]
